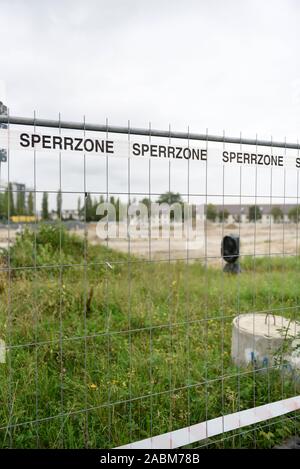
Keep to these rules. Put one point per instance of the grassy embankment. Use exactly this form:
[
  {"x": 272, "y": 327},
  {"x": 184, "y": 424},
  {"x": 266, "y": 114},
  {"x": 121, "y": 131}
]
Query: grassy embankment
[{"x": 75, "y": 371}]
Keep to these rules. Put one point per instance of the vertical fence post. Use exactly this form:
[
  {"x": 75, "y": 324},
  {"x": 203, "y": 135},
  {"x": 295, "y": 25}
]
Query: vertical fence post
[{"x": 3, "y": 112}]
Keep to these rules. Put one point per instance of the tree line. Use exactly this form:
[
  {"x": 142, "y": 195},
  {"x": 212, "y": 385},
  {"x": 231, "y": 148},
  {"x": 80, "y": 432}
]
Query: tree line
[
  {"x": 23, "y": 203},
  {"x": 254, "y": 214},
  {"x": 18, "y": 205},
  {"x": 85, "y": 211}
]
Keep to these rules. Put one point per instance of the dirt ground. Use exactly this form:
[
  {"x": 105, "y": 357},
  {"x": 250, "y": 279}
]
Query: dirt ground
[{"x": 256, "y": 239}]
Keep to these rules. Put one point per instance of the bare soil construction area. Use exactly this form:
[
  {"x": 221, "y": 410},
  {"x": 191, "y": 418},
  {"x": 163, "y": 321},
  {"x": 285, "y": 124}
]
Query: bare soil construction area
[{"x": 257, "y": 239}]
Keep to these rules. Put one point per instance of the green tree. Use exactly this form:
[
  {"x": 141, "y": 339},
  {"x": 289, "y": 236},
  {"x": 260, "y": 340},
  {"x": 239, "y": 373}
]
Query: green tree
[
  {"x": 211, "y": 212},
  {"x": 30, "y": 207},
  {"x": 94, "y": 209},
  {"x": 223, "y": 215},
  {"x": 20, "y": 209},
  {"x": 59, "y": 204},
  {"x": 254, "y": 213},
  {"x": 170, "y": 198},
  {"x": 79, "y": 210},
  {"x": 147, "y": 202},
  {"x": 294, "y": 214},
  {"x": 45, "y": 210},
  {"x": 2, "y": 206},
  {"x": 88, "y": 209},
  {"x": 5, "y": 204},
  {"x": 87, "y": 212},
  {"x": 9, "y": 206},
  {"x": 277, "y": 214},
  {"x": 117, "y": 207}
]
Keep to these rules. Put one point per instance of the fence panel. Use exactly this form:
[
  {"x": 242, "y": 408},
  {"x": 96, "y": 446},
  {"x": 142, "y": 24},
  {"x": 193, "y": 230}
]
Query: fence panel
[{"x": 122, "y": 322}]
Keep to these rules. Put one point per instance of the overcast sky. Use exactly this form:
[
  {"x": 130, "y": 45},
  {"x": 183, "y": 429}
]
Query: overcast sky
[
  {"x": 219, "y": 64},
  {"x": 213, "y": 64}
]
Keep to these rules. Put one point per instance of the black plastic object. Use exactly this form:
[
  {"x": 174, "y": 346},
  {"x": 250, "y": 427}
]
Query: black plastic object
[
  {"x": 230, "y": 251},
  {"x": 230, "y": 248}
]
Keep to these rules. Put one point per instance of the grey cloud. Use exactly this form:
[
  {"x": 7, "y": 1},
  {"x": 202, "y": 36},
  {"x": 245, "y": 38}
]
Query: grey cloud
[{"x": 208, "y": 64}]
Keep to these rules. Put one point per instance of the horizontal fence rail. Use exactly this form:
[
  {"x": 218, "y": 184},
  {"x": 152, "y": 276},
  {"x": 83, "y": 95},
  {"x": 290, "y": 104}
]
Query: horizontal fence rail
[{"x": 144, "y": 132}]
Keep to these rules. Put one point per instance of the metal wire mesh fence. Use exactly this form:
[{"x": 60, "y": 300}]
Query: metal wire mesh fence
[{"x": 121, "y": 320}]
